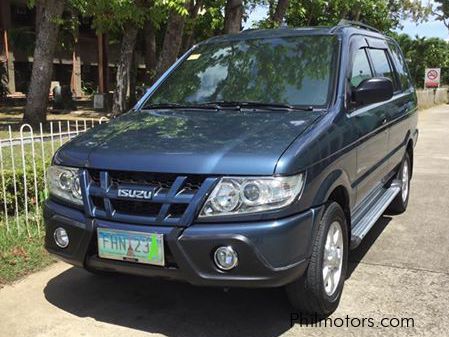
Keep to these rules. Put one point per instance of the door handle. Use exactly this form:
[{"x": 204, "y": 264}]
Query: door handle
[{"x": 384, "y": 121}]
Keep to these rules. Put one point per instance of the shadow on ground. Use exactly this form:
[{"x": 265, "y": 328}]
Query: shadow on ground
[
  {"x": 170, "y": 308},
  {"x": 177, "y": 309},
  {"x": 356, "y": 255}
]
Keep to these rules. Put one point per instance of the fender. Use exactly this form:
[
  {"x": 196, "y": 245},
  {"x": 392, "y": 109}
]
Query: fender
[{"x": 333, "y": 180}]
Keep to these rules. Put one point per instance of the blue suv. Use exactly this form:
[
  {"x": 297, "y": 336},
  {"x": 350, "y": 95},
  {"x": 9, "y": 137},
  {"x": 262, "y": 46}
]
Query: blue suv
[{"x": 257, "y": 160}]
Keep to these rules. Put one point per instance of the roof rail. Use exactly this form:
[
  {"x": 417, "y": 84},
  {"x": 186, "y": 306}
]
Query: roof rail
[{"x": 345, "y": 22}]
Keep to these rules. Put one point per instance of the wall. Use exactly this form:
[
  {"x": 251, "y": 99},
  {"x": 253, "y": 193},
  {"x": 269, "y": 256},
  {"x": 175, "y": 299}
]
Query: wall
[{"x": 430, "y": 97}]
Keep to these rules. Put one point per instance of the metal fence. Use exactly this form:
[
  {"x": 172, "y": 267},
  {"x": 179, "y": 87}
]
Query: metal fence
[{"x": 24, "y": 157}]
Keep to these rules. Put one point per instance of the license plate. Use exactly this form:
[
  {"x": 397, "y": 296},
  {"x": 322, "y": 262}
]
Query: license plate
[{"x": 131, "y": 246}]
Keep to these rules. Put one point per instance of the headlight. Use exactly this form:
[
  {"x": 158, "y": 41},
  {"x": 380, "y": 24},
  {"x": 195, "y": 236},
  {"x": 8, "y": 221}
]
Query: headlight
[
  {"x": 64, "y": 183},
  {"x": 240, "y": 195}
]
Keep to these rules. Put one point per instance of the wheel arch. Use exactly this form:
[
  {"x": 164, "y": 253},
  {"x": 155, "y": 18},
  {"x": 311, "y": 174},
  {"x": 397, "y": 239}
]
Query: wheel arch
[{"x": 336, "y": 187}]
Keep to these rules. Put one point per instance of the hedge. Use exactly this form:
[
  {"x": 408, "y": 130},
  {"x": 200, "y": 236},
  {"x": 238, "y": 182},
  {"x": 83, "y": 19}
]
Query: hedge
[{"x": 9, "y": 188}]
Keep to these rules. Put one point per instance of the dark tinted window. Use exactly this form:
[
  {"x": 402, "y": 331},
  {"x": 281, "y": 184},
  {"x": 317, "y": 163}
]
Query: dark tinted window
[
  {"x": 381, "y": 64},
  {"x": 401, "y": 66},
  {"x": 293, "y": 70},
  {"x": 360, "y": 68}
]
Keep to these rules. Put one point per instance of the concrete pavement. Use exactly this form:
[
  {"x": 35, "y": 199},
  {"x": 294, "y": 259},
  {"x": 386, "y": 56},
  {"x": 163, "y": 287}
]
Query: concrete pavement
[{"x": 401, "y": 270}]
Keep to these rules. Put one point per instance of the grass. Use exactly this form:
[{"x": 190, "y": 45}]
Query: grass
[
  {"x": 17, "y": 154},
  {"x": 21, "y": 254}
]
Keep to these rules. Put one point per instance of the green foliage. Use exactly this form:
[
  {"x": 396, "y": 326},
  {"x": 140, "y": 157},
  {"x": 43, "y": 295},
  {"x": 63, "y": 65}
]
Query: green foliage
[
  {"x": 210, "y": 22},
  {"x": 441, "y": 11},
  {"x": 112, "y": 15},
  {"x": 10, "y": 193},
  {"x": 424, "y": 53},
  {"x": 382, "y": 14}
]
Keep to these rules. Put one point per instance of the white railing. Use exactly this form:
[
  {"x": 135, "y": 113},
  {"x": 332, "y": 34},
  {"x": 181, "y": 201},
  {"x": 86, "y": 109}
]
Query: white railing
[{"x": 24, "y": 157}]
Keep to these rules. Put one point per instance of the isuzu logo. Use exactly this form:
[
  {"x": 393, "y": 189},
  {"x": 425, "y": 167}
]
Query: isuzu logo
[{"x": 134, "y": 194}]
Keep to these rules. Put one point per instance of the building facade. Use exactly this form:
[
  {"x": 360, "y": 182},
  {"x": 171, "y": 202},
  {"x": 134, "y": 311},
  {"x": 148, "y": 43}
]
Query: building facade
[{"x": 85, "y": 60}]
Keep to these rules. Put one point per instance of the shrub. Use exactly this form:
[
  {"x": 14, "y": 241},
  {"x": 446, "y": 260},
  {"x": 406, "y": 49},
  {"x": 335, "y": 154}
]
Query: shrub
[{"x": 20, "y": 188}]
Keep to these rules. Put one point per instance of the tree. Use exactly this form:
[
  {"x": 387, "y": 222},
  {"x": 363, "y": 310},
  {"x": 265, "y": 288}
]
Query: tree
[
  {"x": 382, "y": 14},
  {"x": 194, "y": 9},
  {"x": 233, "y": 16},
  {"x": 48, "y": 15},
  {"x": 441, "y": 11},
  {"x": 119, "y": 101},
  {"x": 279, "y": 13},
  {"x": 124, "y": 18},
  {"x": 424, "y": 53},
  {"x": 150, "y": 50},
  {"x": 207, "y": 23},
  {"x": 172, "y": 38}
]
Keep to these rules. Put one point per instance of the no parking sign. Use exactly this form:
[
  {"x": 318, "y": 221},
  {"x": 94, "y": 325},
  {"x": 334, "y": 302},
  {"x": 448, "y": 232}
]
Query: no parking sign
[{"x": 433, "y": 76}]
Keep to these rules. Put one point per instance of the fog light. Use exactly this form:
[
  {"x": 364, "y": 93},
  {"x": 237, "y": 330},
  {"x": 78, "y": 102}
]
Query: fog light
[
  {"x": 225, "y": 258},
  {"x": 61, "y": 237}
]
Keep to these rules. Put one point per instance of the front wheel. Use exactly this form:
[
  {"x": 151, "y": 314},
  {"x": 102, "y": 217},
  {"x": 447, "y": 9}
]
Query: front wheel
[{"x": 319, "y": 290}]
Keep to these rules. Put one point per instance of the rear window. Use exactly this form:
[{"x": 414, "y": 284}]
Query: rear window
[
  {"x": 401, "y": 67},
  {"x": 381, "y": 65},
  {"x": 296, "y": 70}
]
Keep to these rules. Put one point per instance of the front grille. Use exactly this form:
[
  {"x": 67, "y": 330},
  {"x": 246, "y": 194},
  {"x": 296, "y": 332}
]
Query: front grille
[
  {"x": 98, "y": 203},
  {"x": 175, "y": 199},
  {"x": 140, "y": 208}
]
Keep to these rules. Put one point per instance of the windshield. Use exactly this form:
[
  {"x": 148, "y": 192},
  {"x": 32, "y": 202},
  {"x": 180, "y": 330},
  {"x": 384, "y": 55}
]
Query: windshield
[{"x": 297, "y": 71}]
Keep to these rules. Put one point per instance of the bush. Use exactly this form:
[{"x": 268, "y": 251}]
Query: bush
[{"x": 20, "y": 188}]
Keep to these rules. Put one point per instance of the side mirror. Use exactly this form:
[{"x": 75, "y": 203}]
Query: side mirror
[{"x": 373, "y": 90}]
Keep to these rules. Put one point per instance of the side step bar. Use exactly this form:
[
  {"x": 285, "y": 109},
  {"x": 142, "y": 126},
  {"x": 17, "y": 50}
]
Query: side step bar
[{"x": 373, "y": 213}]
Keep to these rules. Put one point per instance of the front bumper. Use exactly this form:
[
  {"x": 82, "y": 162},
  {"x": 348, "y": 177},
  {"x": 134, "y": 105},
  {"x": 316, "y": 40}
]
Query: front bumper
[{"x": 271, "y": 253}]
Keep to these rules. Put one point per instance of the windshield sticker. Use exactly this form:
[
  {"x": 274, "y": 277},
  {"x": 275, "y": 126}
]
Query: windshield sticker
[{"x": 194, "y": 57}]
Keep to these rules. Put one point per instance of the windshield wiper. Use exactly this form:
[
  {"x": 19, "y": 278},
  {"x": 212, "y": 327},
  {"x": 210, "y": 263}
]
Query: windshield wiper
[
  {"x": 263, "y": 105},
  {"x": 179, "y": 106},
  {"x": 219, "y": 105}
]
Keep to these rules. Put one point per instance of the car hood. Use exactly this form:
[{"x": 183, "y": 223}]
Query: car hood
[{"x": 192, "y": 142}]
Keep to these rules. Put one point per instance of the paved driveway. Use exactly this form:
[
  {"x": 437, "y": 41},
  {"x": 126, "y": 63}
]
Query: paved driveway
[{"x": 401, "y": 270}]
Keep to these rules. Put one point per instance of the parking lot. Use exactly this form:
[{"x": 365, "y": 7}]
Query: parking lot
[{"x": 401, "y": 270}]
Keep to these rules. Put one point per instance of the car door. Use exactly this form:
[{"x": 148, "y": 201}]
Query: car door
[
  {"x": 400, "y": 116},
  {"x": 369, "y": 122}
]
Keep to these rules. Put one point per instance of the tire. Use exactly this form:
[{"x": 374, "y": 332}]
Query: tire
[
  {"x": 400, "y": 203},
  {"x": 310, "y": 294}
]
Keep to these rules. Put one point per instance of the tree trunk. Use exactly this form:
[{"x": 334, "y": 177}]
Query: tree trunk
[
  {"x": 123, "y": 70},
  {"x": 150, "y": 52},
  {"x": 279, "y": 13},
  {"x": 233, "y": 16},
  {"x": 172, "y": 42},
  {"x": 133, "y": 81},
  {"x": 47, "y": 28},
  {"x": 188, "y": 39}
]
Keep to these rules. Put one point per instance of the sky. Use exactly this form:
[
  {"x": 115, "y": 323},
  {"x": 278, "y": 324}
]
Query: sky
[{"x": 426, "y": 29}]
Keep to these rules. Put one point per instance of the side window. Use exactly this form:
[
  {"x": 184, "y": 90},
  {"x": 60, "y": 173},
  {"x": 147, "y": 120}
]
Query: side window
[
  {"x": 361, "y": 69},
  {"x": 382, "y": 66},
  {"x": 401, "y": 67}
]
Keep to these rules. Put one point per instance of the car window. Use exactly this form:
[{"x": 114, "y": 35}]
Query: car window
[
  {"x": 401, "y": 67},
  {"x": 361, "y": 69},
  {"x": 287, "y": 70},
  {"x": 381, "y": 65}
]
